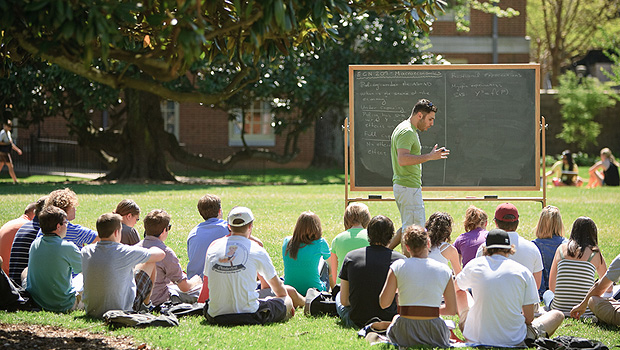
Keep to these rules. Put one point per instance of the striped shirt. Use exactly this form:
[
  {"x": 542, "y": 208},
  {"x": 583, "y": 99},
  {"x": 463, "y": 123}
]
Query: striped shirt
[
  {"x": 21, "y": 246},
  {"x": 574, "y": 280},
  {"x": 78, "y": 235}
]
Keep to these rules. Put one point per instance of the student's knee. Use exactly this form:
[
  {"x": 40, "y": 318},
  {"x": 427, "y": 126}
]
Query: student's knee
[{"x": 606, "y": 310}]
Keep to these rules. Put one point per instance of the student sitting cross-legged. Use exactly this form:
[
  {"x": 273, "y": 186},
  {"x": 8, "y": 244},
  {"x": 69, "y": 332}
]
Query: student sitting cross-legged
[
  {"x": 51, "y": 262},
  {"x": 117, "y": 276}
]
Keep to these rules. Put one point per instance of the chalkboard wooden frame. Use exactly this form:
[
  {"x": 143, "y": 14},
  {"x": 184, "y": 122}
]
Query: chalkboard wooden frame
[{"x": 527, "y": 93}]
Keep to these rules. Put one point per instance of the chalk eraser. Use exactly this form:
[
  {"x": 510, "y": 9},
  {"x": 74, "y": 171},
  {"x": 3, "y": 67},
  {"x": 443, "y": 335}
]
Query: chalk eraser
[
  {"x": 374, "y": 196},
  {"x": 490, "y": 197}
]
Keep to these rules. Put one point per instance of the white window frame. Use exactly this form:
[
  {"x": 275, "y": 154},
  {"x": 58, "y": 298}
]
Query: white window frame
[
  {"x": 170, "y": 113},
  {"x": 266, "y": 136}
]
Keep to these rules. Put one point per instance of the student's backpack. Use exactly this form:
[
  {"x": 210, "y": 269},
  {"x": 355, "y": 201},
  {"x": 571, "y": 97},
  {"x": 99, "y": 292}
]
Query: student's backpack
[
  {"x": 565, "y": 342},
  {"x": 320, "y": 303},
  {"x": 13, "y": 298},
  {"x": 120, "y": 318}
]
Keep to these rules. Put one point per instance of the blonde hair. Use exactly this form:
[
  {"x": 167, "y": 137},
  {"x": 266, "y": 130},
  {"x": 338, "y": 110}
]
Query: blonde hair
[
  {"x": 474, "y": 217},
  {"x": 607, "y": 153},
  {"x": 356, "y": 213},
  {"x": 550, "y": 223}
]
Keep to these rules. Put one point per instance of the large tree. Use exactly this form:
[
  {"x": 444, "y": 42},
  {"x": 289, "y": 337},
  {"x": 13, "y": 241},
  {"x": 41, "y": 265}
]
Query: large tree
[
  {"x": 563, "y": 29},
  {"x": 165, "y": 49}
]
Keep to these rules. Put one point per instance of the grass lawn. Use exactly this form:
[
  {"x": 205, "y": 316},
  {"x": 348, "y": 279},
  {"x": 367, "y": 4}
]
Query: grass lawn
[{"x": 276, "y": 208}]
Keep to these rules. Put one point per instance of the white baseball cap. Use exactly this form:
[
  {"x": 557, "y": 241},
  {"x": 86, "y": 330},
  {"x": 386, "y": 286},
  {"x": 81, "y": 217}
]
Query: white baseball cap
[{"x": 240, "y": 216}]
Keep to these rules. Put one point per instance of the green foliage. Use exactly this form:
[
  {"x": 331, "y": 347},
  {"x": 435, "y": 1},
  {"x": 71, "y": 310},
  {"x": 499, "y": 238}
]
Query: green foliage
[{"x": 581, "y": 101}]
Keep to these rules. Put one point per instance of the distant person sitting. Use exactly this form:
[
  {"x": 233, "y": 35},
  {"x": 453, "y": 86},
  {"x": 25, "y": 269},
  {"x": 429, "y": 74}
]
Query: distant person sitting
[
  {"x": 117, "y": 276},
  {"x": 203, "y": 234},
  {"x": 8, "y": 232},
  {"x": 475, "y": 225},
  {"x": 501, "y": 313},
  {"x": 51, "y": 262},
  {"x": 565, "y": 171},
  {"x": 169, "y": 271},
  {"x": 605, "y": 171},
  {"x": 363, "y": 275},
  {"x": 231, "y": 268},
  {"x": 130, "y": 212},
  {"x": 356, "y": 218},
  {"x": 67, "y": 200},
  {"x": 21, "y": 245},
  {"x": 439, "y": 228},
  {"x": 304, "y": 255}
]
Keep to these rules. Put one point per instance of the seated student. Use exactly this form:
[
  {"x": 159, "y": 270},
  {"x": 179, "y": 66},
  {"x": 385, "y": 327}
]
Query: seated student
[
  {"x": 356, "y": 218},
  {"x": 549, "y": 236},
  {"x": 475, "y": 234},
  {"x": 566, "y": 171},
  {"x": 605, "y": 171},
  {"x": 501, "y": 313},
  {"x": 203, "y": 234},
  {"x": 116, "y": 276},
  {"x": 421, "y": 284},
  {"x": 363, "y": 275},
  {"x": 231, "y": 267},
  {"x": 8, "y": 232},
  {"x": 574, "y": 266},
  {"x": 439, "y": 228},
  {"x": 607, "y": 310},
  {"x": 130, "y": 212},
  {"x": 67, "y": 200},
  {"x": 303, "y": 255},
  {"x": 21, "y": 245},
  {"x": 51, "y": 262},
  {"x": 156, "y": 230}
]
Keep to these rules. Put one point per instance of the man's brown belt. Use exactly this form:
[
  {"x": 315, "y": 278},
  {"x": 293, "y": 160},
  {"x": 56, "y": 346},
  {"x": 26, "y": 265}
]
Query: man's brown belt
[{"x": 419, "y": 311}]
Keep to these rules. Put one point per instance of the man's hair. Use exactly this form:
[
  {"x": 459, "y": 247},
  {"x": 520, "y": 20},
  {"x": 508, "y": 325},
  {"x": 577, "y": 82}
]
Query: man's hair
[
  {"x": 127, "y": 206},
  {"x": 415, "y": 238},
  {"x": 474, "y": 217},
  {"x": 439, "y": 227},
  {"x": 50, "y": 217},
  {"x": 30, "y": 208},
  {"x": 209, "y": 206},
  {"x": 380, "y": 230},
  {"x": 39, "y": 204},
  {"x": 425, "y": 106},
  {"x": 549, "y": 223},
  {"x": 62, "y": 199},
  {"x": 155, "y": 222},
  {"x": 356, "y": 214},
  {"x": 506, "y": 225},
  {"x": 493, "y": 251},
  {"x": 240, "y": 229},
  {"x": 107, "y": 224}
]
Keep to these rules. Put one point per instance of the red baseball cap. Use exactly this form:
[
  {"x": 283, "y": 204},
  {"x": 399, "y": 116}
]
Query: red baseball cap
[{"x": 506, "y": 209}]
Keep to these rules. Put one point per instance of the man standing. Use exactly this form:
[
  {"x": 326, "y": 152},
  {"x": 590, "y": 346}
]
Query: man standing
[
  {"x": 231, "y": 267},
  {"x": 407, "y": 159}
]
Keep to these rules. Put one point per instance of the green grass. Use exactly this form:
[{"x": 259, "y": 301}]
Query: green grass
[{"x": 276, "y": 209}]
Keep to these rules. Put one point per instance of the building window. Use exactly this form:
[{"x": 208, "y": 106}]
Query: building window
[
  {"x": 170, "y": 113},
  {"x": 454, "y": 10},
  {"x": 258, "y": 125}
]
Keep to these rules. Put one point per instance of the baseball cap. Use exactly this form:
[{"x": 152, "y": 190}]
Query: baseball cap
[
  {"x": 240, "y": 216},
  {"x": 498, "y": 238},
  {"x": 506, "y": 209}
]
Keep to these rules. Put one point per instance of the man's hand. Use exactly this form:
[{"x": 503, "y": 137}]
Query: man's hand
[
  {"x": 439, "y": 153},
  {"x": 578, "y": 310}
]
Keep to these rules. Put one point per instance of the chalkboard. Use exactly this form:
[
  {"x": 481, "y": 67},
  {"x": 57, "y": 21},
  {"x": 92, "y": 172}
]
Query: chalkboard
[{"x": 488, "y": 117}]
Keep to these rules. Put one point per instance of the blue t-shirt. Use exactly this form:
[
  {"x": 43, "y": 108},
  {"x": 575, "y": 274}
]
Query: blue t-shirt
[
  {"x": 547, "y": 247},
  {"x": 199, "y": 239},
  {"x": 303, "y": 273}
]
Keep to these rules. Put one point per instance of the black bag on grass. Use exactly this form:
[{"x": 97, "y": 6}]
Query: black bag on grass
[
  {"x": 13, "y": 298},
  {"x": 320, "y": 303},
  {"x": 120, "y": 318},
  {"x": 566, "y": 342}
]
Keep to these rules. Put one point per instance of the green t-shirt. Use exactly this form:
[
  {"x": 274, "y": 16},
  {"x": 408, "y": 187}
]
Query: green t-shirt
[
  {"x": 347, "y": 241},
  {"x": 404, "y": 136}
]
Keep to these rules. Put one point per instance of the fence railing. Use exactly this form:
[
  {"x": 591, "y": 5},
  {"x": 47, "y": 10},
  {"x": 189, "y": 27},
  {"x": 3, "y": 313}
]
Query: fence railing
[{"x": 55, "y": 155}]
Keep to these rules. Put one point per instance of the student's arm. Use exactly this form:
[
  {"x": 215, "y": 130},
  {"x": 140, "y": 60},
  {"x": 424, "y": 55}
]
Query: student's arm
[
  {"x": 553, "y": 272},
  {"x": 156, "y": 254},
  {"x": 528, "y": 312},
  {"x": 396, "y": 239},
  {"x": 601, "y": 268},
  {"x": 188, "y": 284},
  {"x": 19, "y": 151},
  {"x": 538, "y": 278},
  {"x": 344, "y": 292},
  {"x": 596, "y": 166},
  {"x": 333, "y": 269},
  {"x": 597, "y": 289},
  {"x": 277, "y": 287},
  {"x": 404, "y": 156},
  {"x": 389, "y": 290},
  {"x": 449, "y": 295},
  {"x": 452, "y": 255}
]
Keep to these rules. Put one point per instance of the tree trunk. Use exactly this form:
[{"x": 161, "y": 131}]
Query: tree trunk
[
  {"x": 329, "y": 140},
  {"x": 143, "y": 140}
]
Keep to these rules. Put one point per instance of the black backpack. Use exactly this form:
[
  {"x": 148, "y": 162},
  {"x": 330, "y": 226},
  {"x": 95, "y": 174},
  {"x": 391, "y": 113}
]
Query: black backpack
[{"x": 13, "y": 297}]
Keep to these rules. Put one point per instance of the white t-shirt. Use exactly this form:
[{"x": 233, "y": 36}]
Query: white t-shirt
[
  {"x": 421, "y": 281},
  {"x": 231, "y": 267},
  {"x": 5, "y": 136},
  {"x": 500, "y": 287},
  {"x": 527, "y": 253}
]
